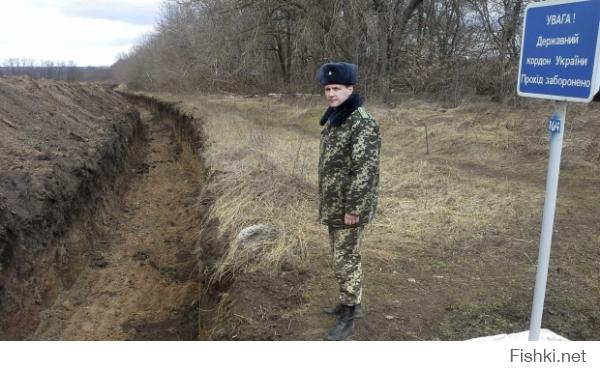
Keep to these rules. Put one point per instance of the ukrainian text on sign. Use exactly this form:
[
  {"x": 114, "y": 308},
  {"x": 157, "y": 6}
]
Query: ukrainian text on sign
[{"x": 560, "y": 50}]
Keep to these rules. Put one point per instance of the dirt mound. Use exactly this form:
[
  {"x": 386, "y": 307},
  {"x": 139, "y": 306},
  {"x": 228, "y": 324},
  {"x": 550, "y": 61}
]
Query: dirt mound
[{"x": 60, "y": 146}]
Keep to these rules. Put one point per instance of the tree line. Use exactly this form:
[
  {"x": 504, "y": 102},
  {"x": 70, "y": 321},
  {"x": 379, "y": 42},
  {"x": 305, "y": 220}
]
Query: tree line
[
  {"x": 445, "y": 47},
  {"x": 54, "y": 70}
]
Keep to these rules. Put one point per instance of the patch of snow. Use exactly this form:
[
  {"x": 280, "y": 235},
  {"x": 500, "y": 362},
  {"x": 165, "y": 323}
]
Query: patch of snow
[{"x": 545, "y": 335}]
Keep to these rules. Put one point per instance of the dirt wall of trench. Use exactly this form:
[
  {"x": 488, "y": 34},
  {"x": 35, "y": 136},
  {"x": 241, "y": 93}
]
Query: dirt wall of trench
[{"x": 62, "y": 148}]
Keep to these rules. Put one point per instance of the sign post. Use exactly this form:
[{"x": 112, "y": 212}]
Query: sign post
[
  {"x": 557, "y": 129},
  {"x": 559, "y": 61}
]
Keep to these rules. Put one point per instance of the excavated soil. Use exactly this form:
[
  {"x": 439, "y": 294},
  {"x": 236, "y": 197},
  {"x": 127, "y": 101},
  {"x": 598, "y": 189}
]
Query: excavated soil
[{"x": 98, "y": 216}]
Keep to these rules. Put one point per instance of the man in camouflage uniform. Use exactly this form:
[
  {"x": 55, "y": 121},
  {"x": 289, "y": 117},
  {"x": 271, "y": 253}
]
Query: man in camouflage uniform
[{"x": 348, "y": 181}]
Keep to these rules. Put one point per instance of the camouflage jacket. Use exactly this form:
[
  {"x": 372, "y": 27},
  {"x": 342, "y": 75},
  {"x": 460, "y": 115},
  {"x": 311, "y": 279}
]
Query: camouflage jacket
[{"x": 349, "y": 169}]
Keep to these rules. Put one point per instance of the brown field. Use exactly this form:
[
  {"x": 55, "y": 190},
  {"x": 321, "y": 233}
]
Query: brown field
[
  {"x": 452, "y": 253},
  {"x": 146, "y": 246}
]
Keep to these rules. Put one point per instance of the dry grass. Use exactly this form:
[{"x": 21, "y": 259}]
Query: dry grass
[
  {"x": 262, "y": 173},
  {"x": 456, "y": 235}
]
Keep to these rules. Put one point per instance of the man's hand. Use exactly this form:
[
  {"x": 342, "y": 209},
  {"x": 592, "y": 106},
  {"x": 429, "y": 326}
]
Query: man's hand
[{"x": 351, "y": 219}]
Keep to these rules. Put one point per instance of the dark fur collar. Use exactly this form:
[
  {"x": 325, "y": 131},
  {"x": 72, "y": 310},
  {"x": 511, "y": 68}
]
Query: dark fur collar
[{"x": 336, "y": 116}]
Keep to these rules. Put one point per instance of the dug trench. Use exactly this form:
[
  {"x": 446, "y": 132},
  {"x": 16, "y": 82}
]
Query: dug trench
[
  {"x": 122, "y": 265},
  {"x": 143, "y": 285}
]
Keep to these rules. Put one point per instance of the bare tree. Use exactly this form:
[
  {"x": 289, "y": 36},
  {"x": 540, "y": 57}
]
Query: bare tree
[
  {"x": 500, "y": 20},
  {"x": 420, "y": 46}
]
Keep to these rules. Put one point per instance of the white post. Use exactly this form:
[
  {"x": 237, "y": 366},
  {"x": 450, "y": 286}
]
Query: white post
[{"x": 556, "y": 141}]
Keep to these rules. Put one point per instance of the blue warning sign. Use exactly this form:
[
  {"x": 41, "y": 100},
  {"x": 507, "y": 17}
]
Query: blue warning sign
[{"x": 559, "y": 50}]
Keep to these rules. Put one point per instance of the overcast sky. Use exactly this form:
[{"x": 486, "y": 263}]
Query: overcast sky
[{"x": 90, "y": 33}]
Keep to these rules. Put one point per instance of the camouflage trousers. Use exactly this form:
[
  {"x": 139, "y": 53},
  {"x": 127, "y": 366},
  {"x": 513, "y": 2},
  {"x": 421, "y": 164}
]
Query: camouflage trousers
[{"x": 345, "y": 246}]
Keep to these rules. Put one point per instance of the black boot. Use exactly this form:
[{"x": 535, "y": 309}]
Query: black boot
[
  {"x": 338, "y": 309},
  {"x": 344, "y": 324}
]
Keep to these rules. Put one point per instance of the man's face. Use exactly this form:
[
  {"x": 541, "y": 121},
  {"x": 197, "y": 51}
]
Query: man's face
[{"x": 337, "y": 94}]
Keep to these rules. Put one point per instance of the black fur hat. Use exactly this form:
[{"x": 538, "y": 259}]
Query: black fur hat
[{"x": 338, "y": 73}]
